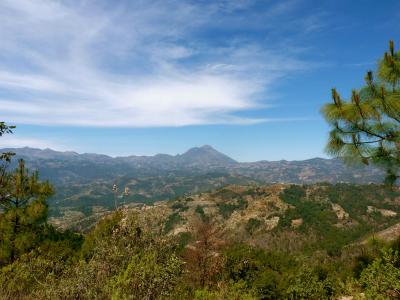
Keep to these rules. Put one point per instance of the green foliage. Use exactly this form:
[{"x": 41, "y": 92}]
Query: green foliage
[
  {"x": 124, "y": 259},
  {"x": 242, "y": 262},
  {"x": 293, "y": 194},
  {"x": 230, "y": 291},
  {"x": 309, "y": 284},
  {"x": 252, "y": 225},
  {"x": 200, "y": 211},
  {"x": 231, "y": 201},
  {"x": 148, "y": 276},
  {"x": 226, "y": 194},
  {"x": 267, "y": 285},
  {"x": 103, "y": 229},
  {"x": 260, "y": 271},
  {"x": 366, "y": 128},
  {"x": 5, "y": 156},
  {"x": 319, "y": 218},
  {"x": 172, "y": 220},
  {"x": 183, "y": 241},
  {"x": 25, "y": 277},
  {"x": 24, "y": 212},
  {"x": 354, "y": 199},
  {"x": 315, "y": 214},
  {"x": 381, "y": 279},
  {"x": 131, "y": 255},
  {"x": 226, "y": 209},
  {"x": 19, "y": 280},
  {"x": 361, "y": 262},
  {"x": 179, "y": 206}
]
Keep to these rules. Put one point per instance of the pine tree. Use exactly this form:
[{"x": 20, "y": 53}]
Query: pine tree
[
  {"x": 366, "y": 128},
  {"x": 5, "y": 157},
  {"x": 23, "y": 211},
  {"x": 6, "y": 129}
]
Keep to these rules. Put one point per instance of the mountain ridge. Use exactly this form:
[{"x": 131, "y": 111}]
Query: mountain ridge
[
  {"x": 85, "y": 167},
  {"x": 208, "y": 148},
  {"x": 33, "y": 150}
]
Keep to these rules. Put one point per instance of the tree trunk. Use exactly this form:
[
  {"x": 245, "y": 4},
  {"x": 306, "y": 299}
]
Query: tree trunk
[{"x": 14, "y": 235}]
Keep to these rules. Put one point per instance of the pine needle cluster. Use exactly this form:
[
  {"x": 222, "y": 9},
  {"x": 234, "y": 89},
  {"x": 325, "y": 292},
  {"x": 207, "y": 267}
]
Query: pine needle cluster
[{"x": 366, "y": 127}]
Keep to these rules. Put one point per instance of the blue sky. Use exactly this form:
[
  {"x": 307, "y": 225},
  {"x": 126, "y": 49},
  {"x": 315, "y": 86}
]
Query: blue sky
[{"x": 146, "y": 77}]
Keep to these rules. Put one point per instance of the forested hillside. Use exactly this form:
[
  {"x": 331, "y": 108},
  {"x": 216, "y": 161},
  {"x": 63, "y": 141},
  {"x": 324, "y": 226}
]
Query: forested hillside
[{"x": 238, "y": 242}]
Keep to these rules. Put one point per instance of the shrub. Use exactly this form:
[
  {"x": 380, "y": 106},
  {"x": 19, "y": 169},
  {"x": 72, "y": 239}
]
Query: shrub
[
  {"x": 200, "y": 211},
  {"x": 148, "y": 276},
  {"x": 226, "y": 209},
  {"x": 252, "y": 225},
  {"x": 172, "y": 220},
  {"x": 381, "y": 279}
]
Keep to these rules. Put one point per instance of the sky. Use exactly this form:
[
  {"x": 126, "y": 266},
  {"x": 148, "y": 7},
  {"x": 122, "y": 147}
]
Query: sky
[{"x": 145, "y": 77}]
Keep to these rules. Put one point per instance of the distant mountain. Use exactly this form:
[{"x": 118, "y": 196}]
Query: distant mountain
[
  {"x": 199, "y": 158},
  {"x": 205, "y": 156},
  {"x": 309, "y": 171},
  {"x": 67, "y": 167},
  {"x": 33, "y": 153}
]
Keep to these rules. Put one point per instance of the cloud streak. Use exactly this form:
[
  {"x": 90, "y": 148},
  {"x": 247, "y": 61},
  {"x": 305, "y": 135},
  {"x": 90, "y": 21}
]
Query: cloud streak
[{"x": 137, "y": 64}]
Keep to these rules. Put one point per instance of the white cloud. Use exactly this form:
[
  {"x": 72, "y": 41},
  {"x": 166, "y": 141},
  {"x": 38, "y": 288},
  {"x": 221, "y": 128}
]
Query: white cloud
[{"x": 138, "y": 65}]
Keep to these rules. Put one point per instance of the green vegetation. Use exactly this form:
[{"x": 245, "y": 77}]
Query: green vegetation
[
  {"x": 314, "y": 214},
  {"x": 131, "y": 254},
  {"x": 171, "y": 221},
  {"x": 252, "y": 225},
  {"x": 24, "y": 212},
  {"x": 118, "y": 262},
  {"x": 200, "y": 211},
  {"x": 179, "y": 206},
  {"x": 5, "y": 157},
  {"x": 366, "y": 128},
  {"x": 226, "y": 209},
  {"x": 313, "y": 205}
]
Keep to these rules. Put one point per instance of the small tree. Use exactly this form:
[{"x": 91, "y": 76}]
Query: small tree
[
  {"x": 366, "y": 128},
  {"x": 23, "y": 210},
  {"x": 203, "y": 259}
]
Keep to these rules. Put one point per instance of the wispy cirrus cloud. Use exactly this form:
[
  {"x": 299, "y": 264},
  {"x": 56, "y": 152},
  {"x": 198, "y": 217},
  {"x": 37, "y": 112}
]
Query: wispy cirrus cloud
[{"x": 140, "y": 64}]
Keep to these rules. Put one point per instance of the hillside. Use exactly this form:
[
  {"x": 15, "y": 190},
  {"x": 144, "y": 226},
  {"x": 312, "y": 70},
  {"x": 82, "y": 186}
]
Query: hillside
[
  {"x": 281, "y": 217},
  {"x": 321, "y": 216},
  {"x": 279, "y": 241}
]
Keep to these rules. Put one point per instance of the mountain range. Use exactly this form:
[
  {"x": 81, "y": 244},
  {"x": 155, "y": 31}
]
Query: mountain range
[
  {"x": 83, "y": 182},
  {"x": 66, "y": 167}
]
